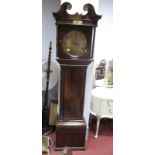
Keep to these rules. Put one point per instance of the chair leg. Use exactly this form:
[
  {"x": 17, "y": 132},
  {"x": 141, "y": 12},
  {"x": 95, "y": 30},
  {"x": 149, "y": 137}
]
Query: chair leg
[
  {"x": 97, "y": 126},
  {"x": 90, "y": 118}
]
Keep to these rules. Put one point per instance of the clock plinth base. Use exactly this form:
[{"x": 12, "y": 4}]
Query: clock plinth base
[{"x": 71, "y": 134}]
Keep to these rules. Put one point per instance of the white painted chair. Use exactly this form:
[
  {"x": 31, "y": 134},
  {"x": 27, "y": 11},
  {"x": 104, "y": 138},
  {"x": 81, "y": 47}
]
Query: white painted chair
[{"x": 101, "y": 104}]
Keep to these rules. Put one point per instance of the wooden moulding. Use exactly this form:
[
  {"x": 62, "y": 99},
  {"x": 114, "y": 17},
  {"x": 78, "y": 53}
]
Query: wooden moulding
[{"x": 89, "y": 19}]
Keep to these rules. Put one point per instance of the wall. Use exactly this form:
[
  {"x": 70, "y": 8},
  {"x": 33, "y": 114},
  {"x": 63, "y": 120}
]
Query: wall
[
  {"x": 104, "y": 34},
  {"x": 48, "y": 26},
  {"x": 77, "y": 5}
]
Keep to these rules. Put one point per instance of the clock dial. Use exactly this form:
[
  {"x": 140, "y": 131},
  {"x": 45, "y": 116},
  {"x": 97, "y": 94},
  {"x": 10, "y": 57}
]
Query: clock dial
[{"x": 74, "y": 43}]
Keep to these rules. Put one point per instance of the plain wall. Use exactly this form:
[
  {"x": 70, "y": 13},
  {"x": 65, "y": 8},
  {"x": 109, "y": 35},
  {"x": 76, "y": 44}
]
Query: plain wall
[
  {"x": 104, "y": 35},
  {"x": 49, "y": 27}
]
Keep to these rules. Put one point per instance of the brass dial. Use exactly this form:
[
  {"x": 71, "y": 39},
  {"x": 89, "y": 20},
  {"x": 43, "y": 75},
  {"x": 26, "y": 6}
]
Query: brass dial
[{"x": 74, "y": 43}]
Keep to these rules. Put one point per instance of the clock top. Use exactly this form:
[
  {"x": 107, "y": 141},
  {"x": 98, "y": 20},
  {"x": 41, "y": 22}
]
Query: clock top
[{"x": 89, "y": 19}]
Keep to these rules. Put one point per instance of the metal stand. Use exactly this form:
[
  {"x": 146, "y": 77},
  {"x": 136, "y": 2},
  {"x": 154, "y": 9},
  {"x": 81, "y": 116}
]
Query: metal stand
[{"x": 46, "y": 128}]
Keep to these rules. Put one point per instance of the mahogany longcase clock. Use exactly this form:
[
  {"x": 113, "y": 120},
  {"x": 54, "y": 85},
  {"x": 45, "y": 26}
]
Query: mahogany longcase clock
[{"x": 75, "y": 45}]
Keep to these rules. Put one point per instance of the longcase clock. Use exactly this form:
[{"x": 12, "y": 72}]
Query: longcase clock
[{"x": 75, "y": 45}]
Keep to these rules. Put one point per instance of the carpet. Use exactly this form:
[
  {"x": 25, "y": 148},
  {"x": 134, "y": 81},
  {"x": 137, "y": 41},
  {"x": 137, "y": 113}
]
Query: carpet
[{"x": 103, "y": 145}]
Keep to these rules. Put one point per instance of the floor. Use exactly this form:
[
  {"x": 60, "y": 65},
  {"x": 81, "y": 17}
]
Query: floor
[{"x": 103, "y": 145}]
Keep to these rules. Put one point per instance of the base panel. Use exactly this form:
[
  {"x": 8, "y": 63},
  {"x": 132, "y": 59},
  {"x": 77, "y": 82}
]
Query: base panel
[{"x": 70, "y": 134}]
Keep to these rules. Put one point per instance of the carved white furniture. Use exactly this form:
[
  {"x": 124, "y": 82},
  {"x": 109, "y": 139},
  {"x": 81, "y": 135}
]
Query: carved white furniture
[{"x": 101, "y": 104}]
